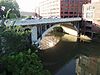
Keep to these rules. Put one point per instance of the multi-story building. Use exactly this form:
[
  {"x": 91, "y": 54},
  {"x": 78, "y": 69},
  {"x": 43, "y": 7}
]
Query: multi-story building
[
  {"x": 92, "y": 1},
  {"x": 91, "y": 11},
  {"x": 49, "y": 8},
  {"x": 91, "y": 17},
  {"x": 62, "y": 8}
]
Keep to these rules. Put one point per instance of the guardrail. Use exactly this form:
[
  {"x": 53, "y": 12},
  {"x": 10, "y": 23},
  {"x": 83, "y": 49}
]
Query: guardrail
[{"x": 18, "y": 22}]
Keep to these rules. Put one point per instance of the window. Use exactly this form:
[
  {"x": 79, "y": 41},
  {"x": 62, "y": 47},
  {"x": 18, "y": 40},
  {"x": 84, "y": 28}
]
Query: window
[
  {"x": 89, "y": 15},
  {"x": 75, "y": 16},
  {"x": 90, "y": 8},
  {"x": 71, "y": 9},
  {"x": 61, "y": 12},
  {"x": 75, "y": 13},
  {"x": 70, "y": 16},
  {"x": 71, "y": 1},
  {"x": 66, "y": 0},
  {"x": 61, "y": 16},
  {"x": 71, "y": 12},
  {"x": 65, "y": 16},
  {"x": 66, "y": 12},
  {"x": 66, "y": 8},
  {"x": 66, "y": 4}
]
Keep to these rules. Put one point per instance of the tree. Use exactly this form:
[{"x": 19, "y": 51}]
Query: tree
[
  {"x": 11, "y": 8},
  {"x": 14, "y": 39},
  {"x": 17, "y": 55},
  {"x": 22, "y": 63}
]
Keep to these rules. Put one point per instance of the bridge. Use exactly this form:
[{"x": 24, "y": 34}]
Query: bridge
[
  {"x": 39, "y": 26},
  {"x": 41, "y": 21}
]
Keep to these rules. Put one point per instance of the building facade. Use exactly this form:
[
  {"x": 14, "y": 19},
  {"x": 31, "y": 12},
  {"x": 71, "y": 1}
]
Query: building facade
[
  {"x": 49, "y": 8},
  {"x": 26, "y": 14},
  {"x": 91, "y": 17},
  {"x": 92, "y": 1},
  {"x": 62, "y": 8}
]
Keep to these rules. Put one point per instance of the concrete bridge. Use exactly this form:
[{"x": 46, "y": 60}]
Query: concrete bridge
[{"x": 40, "y": 27}]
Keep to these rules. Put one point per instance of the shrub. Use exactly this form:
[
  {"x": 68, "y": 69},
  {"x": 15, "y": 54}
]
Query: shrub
[
  {"x": 57, "y": 29},
  {"x": 23, "y": 63},
  {"x": 14, "y": 39},
  {"x": 14, "y": 57}
]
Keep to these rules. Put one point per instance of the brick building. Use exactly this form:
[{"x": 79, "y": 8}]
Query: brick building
[{"x": 62, "y": 8}]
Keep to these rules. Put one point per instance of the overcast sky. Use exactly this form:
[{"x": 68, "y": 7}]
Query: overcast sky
[{"x": 28, "y": 5}]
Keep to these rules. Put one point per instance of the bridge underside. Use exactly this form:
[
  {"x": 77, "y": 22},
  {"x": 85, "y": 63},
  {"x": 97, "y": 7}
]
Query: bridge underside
[{"x": 39, "y": 31}]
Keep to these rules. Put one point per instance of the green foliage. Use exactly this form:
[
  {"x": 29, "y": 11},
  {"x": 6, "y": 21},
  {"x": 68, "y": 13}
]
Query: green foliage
[
  {"x": 14, "y": 57},
  {"x": 11, "y": 8},
  {"x": 29, "y": 16},
  {"x": 57, "y": 29},
  {"x": 14, "y": 39},
  {"x": 23, "y": 63}
]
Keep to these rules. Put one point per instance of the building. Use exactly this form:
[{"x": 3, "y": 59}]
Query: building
[
  {"x": 62, "y": 8},
  {"x": 92, "y": 1},
  {"x": 37, "y": 10},
  {"x": 22, "y": 13},
  {"x": 30, "y": 14},
  {"x": 91, "y": 17},
  {"x": 49, "y": 8},
  {"x": 91, "y": 11}
]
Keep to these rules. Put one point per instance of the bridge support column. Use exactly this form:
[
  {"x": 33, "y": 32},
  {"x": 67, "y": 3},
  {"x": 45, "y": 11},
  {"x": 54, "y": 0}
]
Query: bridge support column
[
  {"x": 79, "y": 31},
  {"x": 49, "y": 25},
  {"x": 45, "y": 27},
  {"x": 34, "y": 35},
  {"x": 41, "y": 29}
]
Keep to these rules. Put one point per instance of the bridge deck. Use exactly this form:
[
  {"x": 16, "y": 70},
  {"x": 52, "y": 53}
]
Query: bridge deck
[{"x": 41, "y": 21}]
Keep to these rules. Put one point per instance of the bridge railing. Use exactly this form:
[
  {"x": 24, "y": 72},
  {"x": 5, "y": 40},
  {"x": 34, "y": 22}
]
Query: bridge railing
[{"x": 39, "y": 21}]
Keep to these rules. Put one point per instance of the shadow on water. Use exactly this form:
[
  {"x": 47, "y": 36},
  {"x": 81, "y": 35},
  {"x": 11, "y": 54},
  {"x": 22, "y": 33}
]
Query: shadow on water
[{"x": 61, "y": 59}]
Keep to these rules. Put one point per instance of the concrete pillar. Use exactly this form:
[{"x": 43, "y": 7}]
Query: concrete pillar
[
  {"x": 45, "y": 27},
  {"x": 49, "y": 25},
  {"x": 79, "y": 32},
  {"x": 78, "y": 27},
  {"x": 41, "y": 30},
  {"x": 34, "y": 34}
]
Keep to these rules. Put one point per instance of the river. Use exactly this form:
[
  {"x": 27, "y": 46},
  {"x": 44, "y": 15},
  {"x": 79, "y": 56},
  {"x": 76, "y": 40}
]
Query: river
[{"x": 63, "y": 55}]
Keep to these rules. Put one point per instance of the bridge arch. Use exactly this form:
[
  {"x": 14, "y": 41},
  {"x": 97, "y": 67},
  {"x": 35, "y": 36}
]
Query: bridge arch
[
  {"x": 67, "y": 29},
  {"x": 70, "y": 29},
  {"x": 50, "y": 29}
]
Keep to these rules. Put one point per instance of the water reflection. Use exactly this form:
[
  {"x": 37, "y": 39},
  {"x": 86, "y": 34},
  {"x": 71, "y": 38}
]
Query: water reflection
[
  {"x": 88, "y": 65},
  {"x": 62, "y": 54}
]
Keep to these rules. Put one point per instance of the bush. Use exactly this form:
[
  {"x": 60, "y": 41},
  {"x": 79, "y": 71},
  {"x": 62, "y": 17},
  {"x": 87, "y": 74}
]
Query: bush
[
  {"x": 14, "y": 39},
  {"x": 23, "y": 63},
  {"x": 14, "y": 57},
  {"x": 57, "y": 29}
]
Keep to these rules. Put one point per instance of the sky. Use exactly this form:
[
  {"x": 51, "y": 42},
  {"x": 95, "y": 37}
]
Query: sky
[{"x": 28, "y": 5}]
